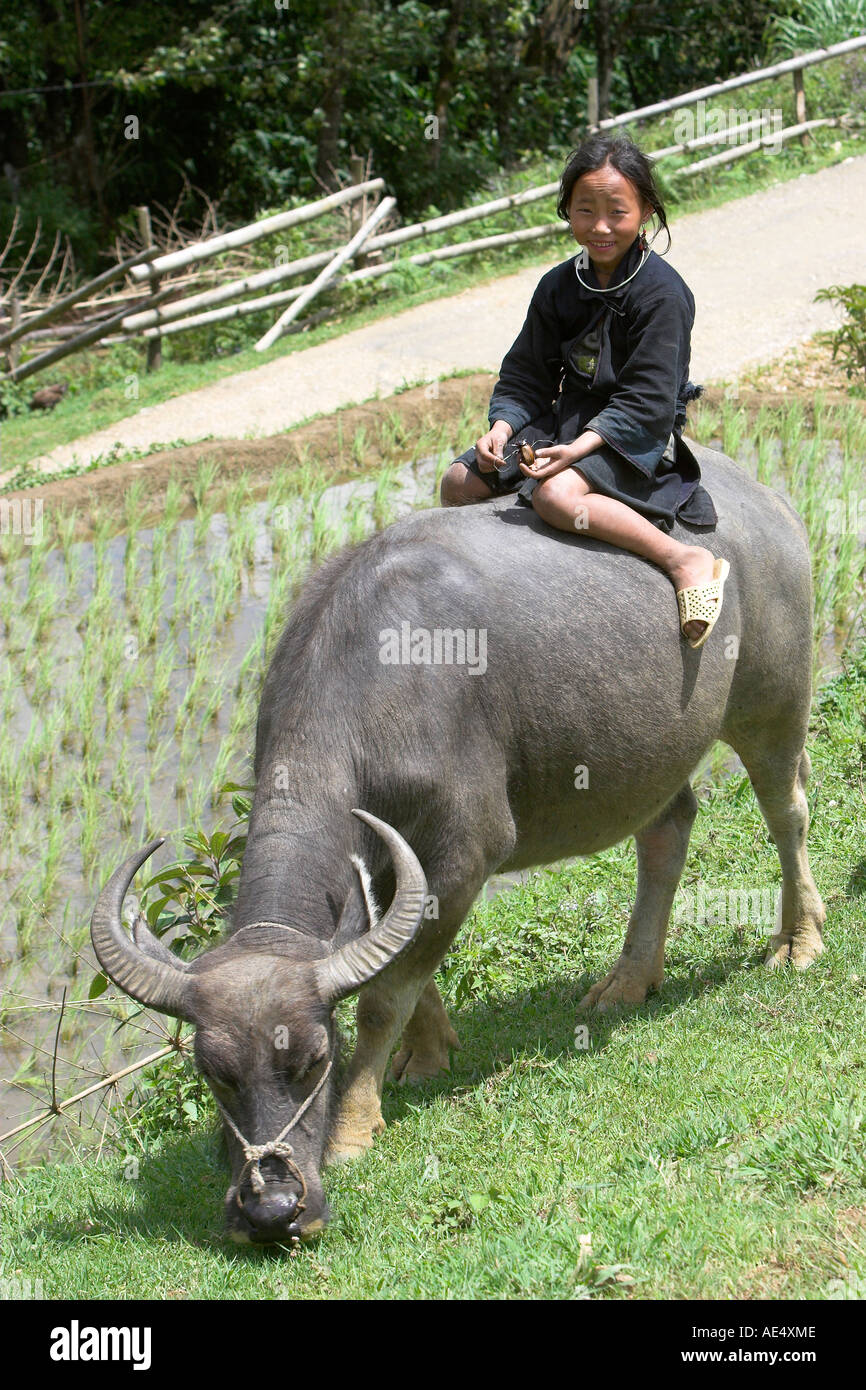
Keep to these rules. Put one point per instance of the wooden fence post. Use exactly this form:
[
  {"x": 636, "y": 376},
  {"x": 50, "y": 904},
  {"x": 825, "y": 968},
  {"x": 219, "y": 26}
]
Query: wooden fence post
[
  {"x": 800, "y": 103},
  {"x": 359, "y": 206},
  {"x": 154, "y": 345}
]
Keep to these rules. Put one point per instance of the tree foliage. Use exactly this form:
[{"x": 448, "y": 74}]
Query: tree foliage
[{"x": 106, "y": 106}]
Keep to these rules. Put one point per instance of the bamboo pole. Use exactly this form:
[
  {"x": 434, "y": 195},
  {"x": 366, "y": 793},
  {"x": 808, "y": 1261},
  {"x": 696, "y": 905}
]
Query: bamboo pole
[
  {"x": 805, "y": 60},
  {"x": 728, "y": 155},
  {"x": 91, "y": 335},
  {"x": 203, "y": 250},
  {"x": 61, "y": 305},
  {"x": 233, "y": 289},
  {"x": 327, "y": 275},
  {"x": 442, "y": 253}
]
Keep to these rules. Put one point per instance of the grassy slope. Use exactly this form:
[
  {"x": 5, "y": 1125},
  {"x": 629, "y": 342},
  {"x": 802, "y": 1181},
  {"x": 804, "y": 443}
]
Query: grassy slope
[{"x": 709, "y": 1143}]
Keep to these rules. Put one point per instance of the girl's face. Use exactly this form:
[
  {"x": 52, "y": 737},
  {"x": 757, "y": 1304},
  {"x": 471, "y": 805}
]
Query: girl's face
[{"x": 605, "y": 213}]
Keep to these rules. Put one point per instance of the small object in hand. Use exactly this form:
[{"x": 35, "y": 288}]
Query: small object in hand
[{"x": 527, "y": 456}]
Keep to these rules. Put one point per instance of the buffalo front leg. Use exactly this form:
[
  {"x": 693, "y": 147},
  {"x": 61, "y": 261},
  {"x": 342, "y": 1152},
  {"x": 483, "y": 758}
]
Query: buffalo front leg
[
  {"x": 780, "y": 789},
  {"x": 661, "y": 853},
  {"x": 402, "y": 997}
]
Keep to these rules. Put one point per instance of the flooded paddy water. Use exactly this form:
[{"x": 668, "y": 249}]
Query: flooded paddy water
[{"x": 130, "y": 668}]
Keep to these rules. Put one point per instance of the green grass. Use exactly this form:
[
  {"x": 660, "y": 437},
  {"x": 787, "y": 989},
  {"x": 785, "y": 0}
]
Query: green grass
[
  {"x": 709, "y": 1144},
  {"x": 99, "y": 394}
]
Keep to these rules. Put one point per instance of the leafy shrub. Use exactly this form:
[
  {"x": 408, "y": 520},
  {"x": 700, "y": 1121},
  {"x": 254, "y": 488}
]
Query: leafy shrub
[{"x": 849, "y": 340}]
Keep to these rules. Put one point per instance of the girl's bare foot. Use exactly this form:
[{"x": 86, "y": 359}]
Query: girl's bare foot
[{"x": 694, "y": 566}]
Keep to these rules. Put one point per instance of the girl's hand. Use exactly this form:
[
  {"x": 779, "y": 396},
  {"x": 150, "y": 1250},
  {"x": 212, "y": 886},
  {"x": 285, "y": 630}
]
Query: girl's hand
[
  {"x": 489, "y": 448},
  {"x": 550, "y": 460}
]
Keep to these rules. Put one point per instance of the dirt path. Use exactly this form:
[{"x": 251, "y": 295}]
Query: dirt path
[{"x": 754, "y": 266}]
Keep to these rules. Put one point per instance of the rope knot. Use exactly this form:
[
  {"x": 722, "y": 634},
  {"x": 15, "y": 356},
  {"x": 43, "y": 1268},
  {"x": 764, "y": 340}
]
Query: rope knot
[{"x": 254, "y": 1153}]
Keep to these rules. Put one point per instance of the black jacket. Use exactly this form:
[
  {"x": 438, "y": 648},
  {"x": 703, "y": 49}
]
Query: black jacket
[{"x": 636, "y": 396}]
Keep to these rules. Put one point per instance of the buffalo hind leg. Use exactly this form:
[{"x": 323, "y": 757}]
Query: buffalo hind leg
[
  {"x": 662, "y": 847},
  {"x": 780, "y": 788},
  {"x": 427, "y": 1040}
]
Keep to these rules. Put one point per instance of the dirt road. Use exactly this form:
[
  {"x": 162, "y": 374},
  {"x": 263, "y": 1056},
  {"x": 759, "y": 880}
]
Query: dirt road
[{"x": 754, "y": 266}]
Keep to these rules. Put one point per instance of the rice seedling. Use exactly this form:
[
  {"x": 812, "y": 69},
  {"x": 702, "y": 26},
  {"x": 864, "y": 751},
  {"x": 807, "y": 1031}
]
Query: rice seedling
[
  {"x": 237, "y": 498},
  {"x": 211, "y": 708},
  {"x": 383, "y": 498},
  {"x": 359, "y": 524},
  {"x": 91, "y": 814},
  {"x": 13, "y": 779},
  {"x": 792, "y": 423},
  {"x": 123, "y": 788},
  {"x": 13, "y": 547},
  {"x": 224, "y": 595},
  {"x": 174, "y": 504},
  {"x": 192, "y": 697},
  {"x": 52, "y": 847},
  {"x": 242, "y": 538},
  {"x": 325, "y": 532},
  {"x": 134, "y": 505},
  {"x": 65, "y": 526},
  {"x": 360, "y": 447},
  {"x": 733, "y": 425},
  {"x": 203, "y": 486},
  {"x": 131, "y": 557},
  {"x": 149, "y": 609},
  {"x": 36, "y": 577}
]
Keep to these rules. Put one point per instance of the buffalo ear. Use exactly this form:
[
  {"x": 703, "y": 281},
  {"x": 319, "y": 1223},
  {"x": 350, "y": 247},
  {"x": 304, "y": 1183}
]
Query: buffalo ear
[
  {"x": 349, "y": 968},
  {"x": 360, "y": 911},
  {"x": 152, "y": 946}
]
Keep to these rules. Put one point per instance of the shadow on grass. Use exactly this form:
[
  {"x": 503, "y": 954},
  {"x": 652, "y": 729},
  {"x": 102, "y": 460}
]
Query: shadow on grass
[{"x": 542, "y": 1020}]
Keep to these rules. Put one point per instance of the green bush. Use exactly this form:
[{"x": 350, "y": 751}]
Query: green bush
[{"x": 849, "y": 340}]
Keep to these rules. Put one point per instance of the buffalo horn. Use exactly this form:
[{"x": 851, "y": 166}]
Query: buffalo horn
[
  {"x": 145, "y": 974},
  {"x": 352, "y": 966}
]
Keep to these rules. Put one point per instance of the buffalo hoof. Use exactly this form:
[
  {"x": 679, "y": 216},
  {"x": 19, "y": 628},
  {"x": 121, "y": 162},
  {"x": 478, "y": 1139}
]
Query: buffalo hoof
[
  {"x": 799, "y": 949},
  {"x": 419, "y": 1063},
  {"x": 352, "y": 1138},
  {"x": 627, "y": 984}
]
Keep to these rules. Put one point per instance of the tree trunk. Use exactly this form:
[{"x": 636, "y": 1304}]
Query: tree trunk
[
  {"x": 445, "y": 78},
  {"x": 604, "y": 53},
  {"x": 337, "y": 20},
  {"x": 93, "y": 181}
]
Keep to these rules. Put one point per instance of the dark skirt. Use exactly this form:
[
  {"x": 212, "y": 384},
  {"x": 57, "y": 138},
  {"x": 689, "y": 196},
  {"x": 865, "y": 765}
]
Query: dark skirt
[{"x": 672, "y": 493}]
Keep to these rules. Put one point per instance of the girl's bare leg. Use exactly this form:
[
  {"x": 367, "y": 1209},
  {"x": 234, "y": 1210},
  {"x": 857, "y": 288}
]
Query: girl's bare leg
[{"x": 566, "y": 502}]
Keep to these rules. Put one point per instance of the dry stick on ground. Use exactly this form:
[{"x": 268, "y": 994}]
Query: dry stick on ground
[
  {"x": 68, "y": 301},
  {"x": 57, "y": 1108}
]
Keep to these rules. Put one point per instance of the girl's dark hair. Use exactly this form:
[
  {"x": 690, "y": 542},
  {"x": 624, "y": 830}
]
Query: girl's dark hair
[{"x": 624, "y": 155}]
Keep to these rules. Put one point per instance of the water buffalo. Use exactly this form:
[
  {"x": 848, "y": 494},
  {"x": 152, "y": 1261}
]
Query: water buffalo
[{"x": 419, "y": 729}]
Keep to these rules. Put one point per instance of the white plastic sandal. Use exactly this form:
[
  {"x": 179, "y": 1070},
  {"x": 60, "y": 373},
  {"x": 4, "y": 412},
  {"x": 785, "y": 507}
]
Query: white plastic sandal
[{"x": 702, "y": 603}]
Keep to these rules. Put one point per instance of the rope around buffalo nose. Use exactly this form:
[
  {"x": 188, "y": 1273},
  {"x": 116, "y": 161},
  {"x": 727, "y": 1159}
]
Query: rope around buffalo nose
[{"x": 276, "y": 1148}]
